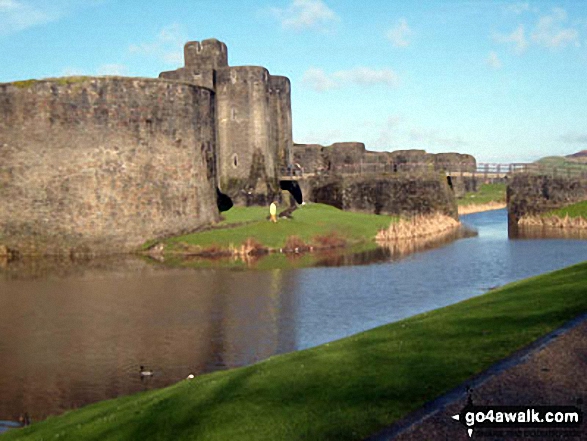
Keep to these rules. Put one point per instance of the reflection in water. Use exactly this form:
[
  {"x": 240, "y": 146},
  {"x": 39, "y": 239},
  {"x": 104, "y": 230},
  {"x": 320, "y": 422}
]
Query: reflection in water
[
  {"x": 72, "y": 333},
  {"x": 66, "y": 342},
  {"x": 540, "y": 232},
  {"x": 402, "y": 248}
]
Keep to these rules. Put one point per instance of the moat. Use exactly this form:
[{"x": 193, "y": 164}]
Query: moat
[{"x": 72, "y": 336}]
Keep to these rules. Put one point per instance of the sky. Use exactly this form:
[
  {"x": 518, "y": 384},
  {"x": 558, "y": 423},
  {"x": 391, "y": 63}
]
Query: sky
[{"x": 503, "y": 81}]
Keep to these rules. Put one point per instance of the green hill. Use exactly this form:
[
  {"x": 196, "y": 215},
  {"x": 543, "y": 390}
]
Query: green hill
[{"x": 576, "y": 161}]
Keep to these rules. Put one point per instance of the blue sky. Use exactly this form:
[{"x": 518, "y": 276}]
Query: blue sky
[{"x": 504, "y": 81}]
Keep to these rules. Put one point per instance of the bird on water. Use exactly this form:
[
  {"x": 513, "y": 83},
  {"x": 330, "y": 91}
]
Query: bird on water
[{"x": 146, "y": 372}]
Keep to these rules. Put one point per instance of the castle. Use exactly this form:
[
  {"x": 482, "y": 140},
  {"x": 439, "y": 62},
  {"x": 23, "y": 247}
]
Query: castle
[
  {"x": 253, "y": 120},
  {"x": 102, "y": 164}
]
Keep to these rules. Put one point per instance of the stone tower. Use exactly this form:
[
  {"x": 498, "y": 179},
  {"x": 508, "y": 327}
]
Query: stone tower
[
  {"x": 253, "y": 121},
  {"x": 201, "y": 61},
  {"x": 280, "y": 109}
]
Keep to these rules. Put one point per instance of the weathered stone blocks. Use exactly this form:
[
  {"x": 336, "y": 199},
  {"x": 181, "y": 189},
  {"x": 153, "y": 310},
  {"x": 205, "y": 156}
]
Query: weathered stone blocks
[
  {"x": 101, "y": 165},
  {"x": 394, "y": 195},
  {"x": 529, "y": 194}
]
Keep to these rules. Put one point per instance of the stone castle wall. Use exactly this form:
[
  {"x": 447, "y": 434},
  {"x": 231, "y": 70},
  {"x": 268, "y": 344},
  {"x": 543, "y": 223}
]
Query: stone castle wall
[
  {"x": 345, "y": 155},
  {"x": 246, "y": 156},
  {"x": 253, "y": 125},
  {"x": 399, "y": 195},
  {"x": 103, "y": 164},
  {"x": 535, "y": 194},
  {"x": 281, "y": 124}
]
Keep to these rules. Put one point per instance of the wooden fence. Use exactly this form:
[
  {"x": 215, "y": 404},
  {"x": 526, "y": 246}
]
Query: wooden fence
[{"x": 482, "y": 170}]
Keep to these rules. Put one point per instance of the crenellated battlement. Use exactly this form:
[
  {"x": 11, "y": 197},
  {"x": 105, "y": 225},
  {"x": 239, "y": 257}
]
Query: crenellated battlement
[
  {"x": 103, "y": 164},
  {"x": 279, "y": 84},
  {"x": 253, "y": 119},
  {"x": 242, "y": 74},
  {"x": 207, "y": 54}
]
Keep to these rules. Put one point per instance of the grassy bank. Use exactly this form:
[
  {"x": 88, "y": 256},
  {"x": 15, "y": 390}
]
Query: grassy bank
[
  {"x": 312, "y": 224},
  {"x": 486, "y": 193},
  {"x": 574, "y": 210},
  {"x": 572, "y": 216},
  {"x": 488, "y": 197},
  {"x": 347, "y": 389}
]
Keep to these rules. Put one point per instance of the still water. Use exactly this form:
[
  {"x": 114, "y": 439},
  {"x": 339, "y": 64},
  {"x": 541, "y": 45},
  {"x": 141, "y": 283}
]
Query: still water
[{"x": 74, "y": 334}]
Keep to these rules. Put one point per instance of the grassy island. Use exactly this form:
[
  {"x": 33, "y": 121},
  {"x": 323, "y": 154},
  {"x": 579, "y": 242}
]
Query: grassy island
[
  {"x": 343, "y": 390},
  {"x": 312, "y": 225}
]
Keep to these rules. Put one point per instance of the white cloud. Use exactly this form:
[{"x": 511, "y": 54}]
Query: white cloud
[
  {"x": 574, "y": 138},
  {"x": 305, "y": 14},
  {"x": 399, "y": 35},
  {"x": 323, "y": 137},
  {"x": 318, "y": 80},
  {"x": 72, "y": 72},
  {"x": 388, "y": 136},
  {"x": 104, "y": 69},
  {"x": 517, "y": 8},
  {"x": 493, "y": 60},
  {"x": 113, "y": 69},
  {"x": 321, "y": 81},
  {"x": 167, "y": 46},
  {"x": 549, "y": 31},
  {"x": 17, "y": 15},
  {"x": 433, "y": 138},
  {"x": 367, "y": 76},
  {"x": 517, "y": 39}
]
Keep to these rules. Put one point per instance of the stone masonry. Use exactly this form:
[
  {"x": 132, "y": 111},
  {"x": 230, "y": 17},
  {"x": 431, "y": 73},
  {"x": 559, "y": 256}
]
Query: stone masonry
[
  {"x": 254, "y": 126},
  {"x": 103, "y": 164},
  {"x": 100, "y": 165}
]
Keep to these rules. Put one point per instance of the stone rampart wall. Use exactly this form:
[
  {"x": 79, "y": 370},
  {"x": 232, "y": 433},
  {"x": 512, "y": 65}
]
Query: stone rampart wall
[
  {"x": 398, "y": 195},
  {"x": 535, "y": 194},
  {"x": 101, "y": 165}
]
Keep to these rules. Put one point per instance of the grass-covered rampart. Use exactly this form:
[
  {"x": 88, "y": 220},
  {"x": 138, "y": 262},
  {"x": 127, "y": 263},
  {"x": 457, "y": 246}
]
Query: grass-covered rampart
[
  {"x": 573, "y": 216},
  {"x": 574, "y": 210},
  {"x": 344, "y": 390},
  {"x": 312, "y": 225}
]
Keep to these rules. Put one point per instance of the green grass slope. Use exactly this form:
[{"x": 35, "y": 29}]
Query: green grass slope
[
  {"x": 308, "y": 222},
  {"x": 574, "y": 210},
  {"x": 486, "y": 193}
]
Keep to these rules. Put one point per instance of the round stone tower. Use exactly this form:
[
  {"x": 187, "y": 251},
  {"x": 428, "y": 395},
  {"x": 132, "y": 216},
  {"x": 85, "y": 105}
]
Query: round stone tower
[
  {"x": 247, "y": 168},
  {"x": 281, "y": 127},
  {"x": 103, "y": 164}
]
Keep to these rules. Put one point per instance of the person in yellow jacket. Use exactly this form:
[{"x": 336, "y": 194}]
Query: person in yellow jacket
[{"x": 273, "y": 212}]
